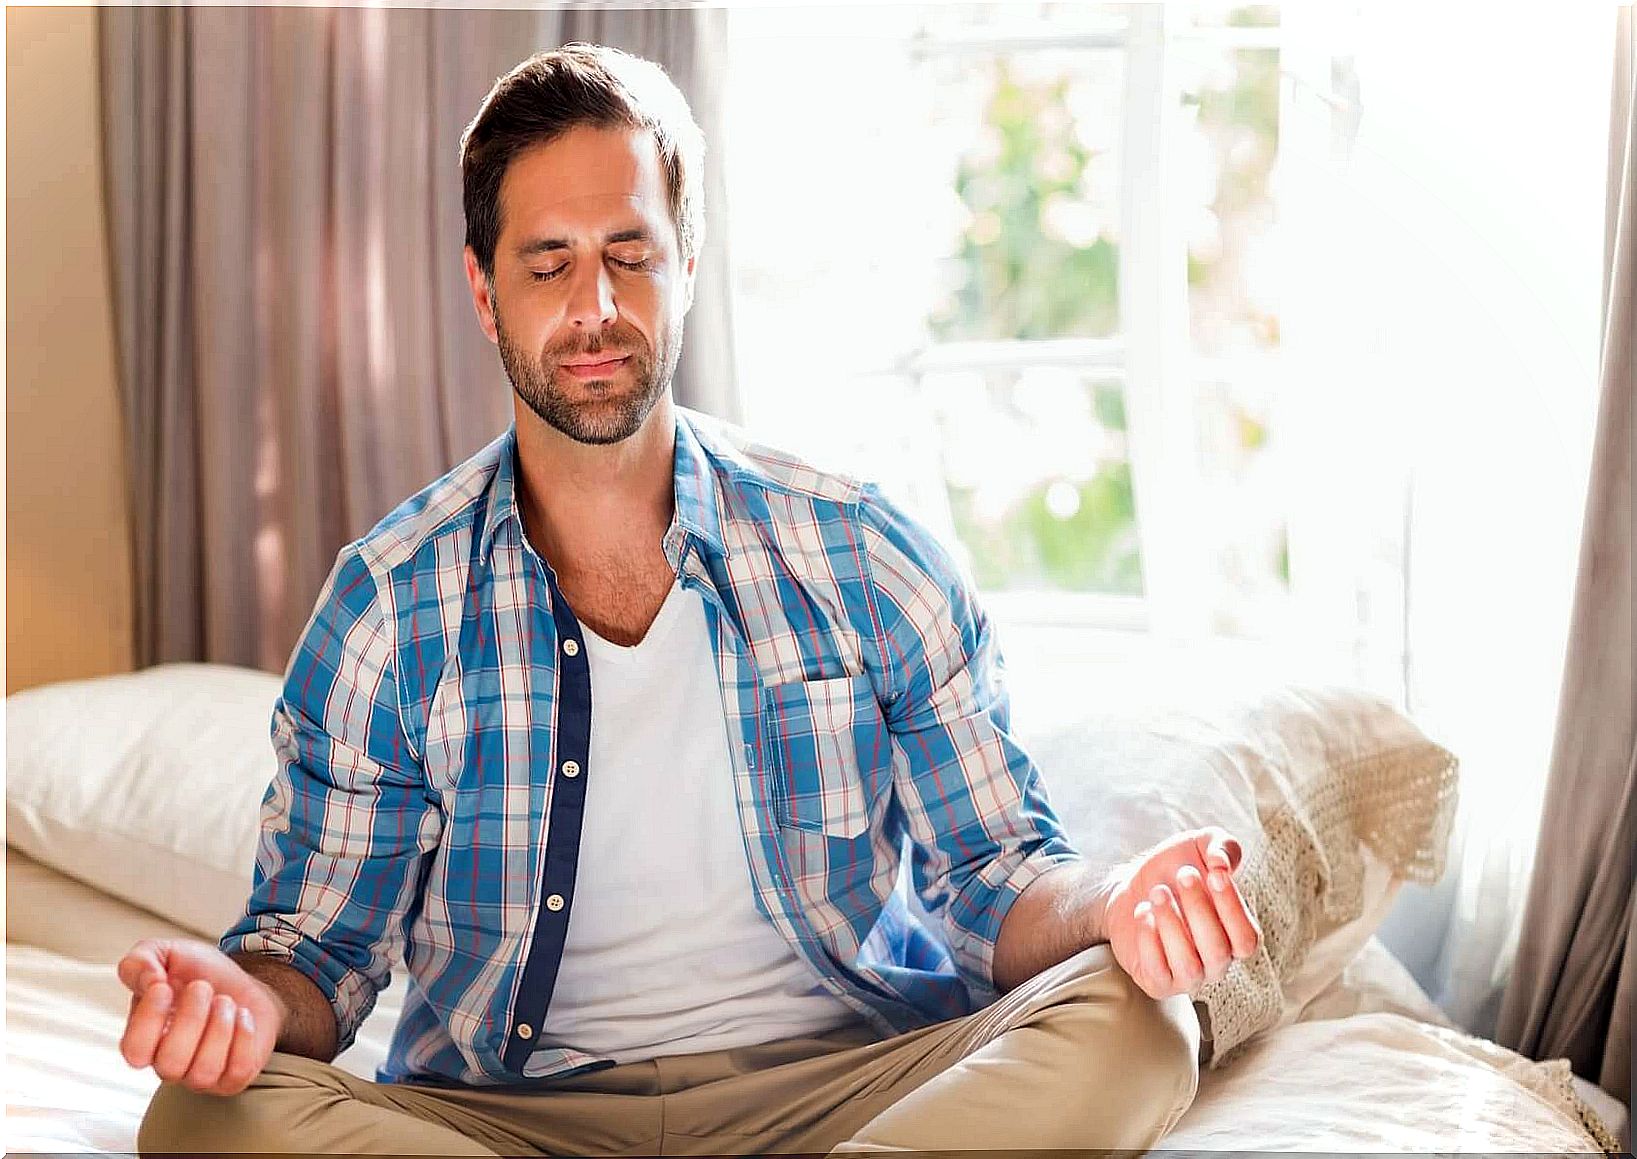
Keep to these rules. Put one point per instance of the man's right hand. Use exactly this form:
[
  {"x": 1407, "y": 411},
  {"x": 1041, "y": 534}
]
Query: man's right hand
[{"x": 196, "y": 1016}]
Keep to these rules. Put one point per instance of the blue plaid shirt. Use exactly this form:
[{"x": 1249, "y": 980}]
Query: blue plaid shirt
[{"x": 426, "y": 809}]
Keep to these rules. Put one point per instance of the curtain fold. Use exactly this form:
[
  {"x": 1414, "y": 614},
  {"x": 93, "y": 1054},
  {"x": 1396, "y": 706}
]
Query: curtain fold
[
  {"x": 298, "y": 349},
  {"x": 1571, "y": 990}
]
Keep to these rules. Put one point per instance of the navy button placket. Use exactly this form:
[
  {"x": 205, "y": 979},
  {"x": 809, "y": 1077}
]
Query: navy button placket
[{"x": 571, "y": 729}]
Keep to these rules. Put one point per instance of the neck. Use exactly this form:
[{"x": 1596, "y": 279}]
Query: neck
[{"x": 580, "y": 500}]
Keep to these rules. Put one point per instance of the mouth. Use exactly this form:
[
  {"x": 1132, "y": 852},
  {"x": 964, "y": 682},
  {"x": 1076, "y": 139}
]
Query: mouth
[{"x": 602, "y": 368}]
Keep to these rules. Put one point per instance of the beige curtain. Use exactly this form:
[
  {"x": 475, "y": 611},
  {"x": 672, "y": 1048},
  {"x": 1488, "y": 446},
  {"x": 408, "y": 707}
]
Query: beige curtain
[
  {"x": 298, "y": 349},
  {"x": 1572, "y": 985}
]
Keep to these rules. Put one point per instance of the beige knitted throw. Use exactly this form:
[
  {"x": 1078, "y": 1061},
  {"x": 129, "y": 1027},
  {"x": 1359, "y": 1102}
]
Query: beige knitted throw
[{"x": 1305, "y": 877}]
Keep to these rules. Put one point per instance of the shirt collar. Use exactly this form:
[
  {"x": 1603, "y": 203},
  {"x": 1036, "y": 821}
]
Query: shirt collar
[
  {"x": 694, "y": 485},
  {"x": 698, "y": 502}
]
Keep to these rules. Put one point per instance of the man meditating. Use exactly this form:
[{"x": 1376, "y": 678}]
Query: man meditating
[{"x": 614, "y": 738}]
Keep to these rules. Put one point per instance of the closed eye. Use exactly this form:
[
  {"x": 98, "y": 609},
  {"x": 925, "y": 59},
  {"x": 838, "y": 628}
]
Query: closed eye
[{"x": 547, "y": 275}]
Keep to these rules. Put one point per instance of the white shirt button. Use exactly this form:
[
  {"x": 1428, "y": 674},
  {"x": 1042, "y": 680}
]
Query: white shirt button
[
  {"x": 525, "y": 1031},
  {"x": 571, "y": 768},
  {"x": 554, "y": 902},
  {"x": 571, "y": 647}
]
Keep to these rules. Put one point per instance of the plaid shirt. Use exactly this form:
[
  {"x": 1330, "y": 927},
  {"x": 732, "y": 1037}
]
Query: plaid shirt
[{"x": 433, "y": 734}]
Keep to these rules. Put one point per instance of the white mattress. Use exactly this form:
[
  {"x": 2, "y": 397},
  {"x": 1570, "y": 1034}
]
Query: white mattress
[{"x": 1370, "y": 1064}]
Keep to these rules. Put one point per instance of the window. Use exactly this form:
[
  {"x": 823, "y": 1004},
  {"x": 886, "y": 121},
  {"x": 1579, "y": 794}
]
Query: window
[{"x": 1017, "y": 261}]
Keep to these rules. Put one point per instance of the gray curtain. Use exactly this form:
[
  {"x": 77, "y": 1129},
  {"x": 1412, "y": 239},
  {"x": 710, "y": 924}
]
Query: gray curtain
[
  {"x": 1572, "y": 985},
  {"x": 297, "y": 346}
]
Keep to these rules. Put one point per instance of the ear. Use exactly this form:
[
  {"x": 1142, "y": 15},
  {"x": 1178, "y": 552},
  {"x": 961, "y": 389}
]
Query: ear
[
  {"x": 688, "y": 283},
  {"x": 482, "y": 297}
]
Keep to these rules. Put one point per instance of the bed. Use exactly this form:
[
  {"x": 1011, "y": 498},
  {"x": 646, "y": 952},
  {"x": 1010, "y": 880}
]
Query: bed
[{"x": 1325, "y": 1043}]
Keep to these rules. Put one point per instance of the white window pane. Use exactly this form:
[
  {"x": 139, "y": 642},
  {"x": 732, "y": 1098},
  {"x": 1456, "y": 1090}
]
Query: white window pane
[{"x": 1039, "y": 478}]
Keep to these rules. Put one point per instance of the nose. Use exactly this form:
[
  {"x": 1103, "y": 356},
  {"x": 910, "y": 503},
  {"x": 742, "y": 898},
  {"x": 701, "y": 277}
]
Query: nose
[{"x": 590, "y": 297}]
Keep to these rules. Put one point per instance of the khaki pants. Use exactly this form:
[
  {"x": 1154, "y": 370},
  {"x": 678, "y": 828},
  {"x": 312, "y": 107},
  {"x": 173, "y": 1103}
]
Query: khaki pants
[{"x": 1077, "y": 1057}]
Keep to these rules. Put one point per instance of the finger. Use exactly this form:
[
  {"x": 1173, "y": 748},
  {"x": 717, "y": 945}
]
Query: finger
[
  {"x": 210, "y": 1059},
  {"x": 141, "y": 967},
  {"x": 246, "y": 1059},
  {"x": 1150, "y": 954},
  {"x": 1219, "y": 850},
  {"x": 1210, "y": 939},
  {"x": 145, "y": 1025},
  {"x": 1186, "y": 968},
  {"x": 175, "y": 1052},
  {"x": 1244, "y": 933}
]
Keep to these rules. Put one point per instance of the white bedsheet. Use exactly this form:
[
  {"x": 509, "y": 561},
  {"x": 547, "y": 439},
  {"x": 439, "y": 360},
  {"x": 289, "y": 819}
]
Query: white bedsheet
[{"x": 1366, "y": 1067}]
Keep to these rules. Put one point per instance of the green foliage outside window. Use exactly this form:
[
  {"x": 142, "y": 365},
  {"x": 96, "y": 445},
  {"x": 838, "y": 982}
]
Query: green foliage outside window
[
  {"x": 1034, "y": 263},
  {"x": 1038, "y": 258},
  {"x": 1093, "y": 549},
  {"x": 1022, "y": 275}
]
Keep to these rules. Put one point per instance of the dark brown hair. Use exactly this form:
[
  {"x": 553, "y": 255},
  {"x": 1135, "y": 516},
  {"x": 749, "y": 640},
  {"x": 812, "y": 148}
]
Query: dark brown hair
[{"x": 559, "y": 89}]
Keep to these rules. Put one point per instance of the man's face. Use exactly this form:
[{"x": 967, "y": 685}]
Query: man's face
[{"x": 589, "y": 287}]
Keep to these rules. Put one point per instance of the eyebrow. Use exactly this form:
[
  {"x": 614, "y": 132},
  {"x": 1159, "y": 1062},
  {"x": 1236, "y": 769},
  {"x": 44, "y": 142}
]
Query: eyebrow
[{"x": 540, "y": 245}]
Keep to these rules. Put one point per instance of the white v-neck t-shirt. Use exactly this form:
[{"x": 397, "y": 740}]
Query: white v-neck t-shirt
[{"x": 666, "y": 952}]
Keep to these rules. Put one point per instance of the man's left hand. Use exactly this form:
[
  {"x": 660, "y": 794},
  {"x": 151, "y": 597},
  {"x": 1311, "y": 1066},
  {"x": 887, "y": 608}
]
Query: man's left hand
[{"x": 1175, "y": 917}]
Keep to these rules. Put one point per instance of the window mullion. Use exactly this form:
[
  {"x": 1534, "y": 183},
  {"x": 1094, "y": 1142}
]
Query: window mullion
[{"x": 1154, "y": 318}]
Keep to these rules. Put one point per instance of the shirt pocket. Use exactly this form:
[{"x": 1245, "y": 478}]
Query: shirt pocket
[{"x": 833, "y": 756}]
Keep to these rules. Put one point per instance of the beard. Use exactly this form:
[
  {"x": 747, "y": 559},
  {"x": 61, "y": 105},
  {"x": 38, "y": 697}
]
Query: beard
[{"x": 609, "y": 415}]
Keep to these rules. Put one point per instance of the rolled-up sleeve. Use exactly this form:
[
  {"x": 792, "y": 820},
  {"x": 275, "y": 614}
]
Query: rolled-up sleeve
[
  {"x": 975, "y": 806},
  {"x": 347, "y": 820}
]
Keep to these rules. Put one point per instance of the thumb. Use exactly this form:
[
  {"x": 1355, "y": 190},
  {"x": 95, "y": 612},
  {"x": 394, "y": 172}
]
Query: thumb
[{"x": 143, "y": 965}]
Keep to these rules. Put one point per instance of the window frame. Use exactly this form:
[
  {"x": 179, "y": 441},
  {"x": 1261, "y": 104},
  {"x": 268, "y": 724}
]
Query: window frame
[{"x": 1151, "y": 356}]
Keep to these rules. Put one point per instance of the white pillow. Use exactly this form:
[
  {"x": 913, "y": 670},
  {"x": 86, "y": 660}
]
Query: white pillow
[
  {"x": 1336, "y": 797},
  {"x": 147, "y": 785}
]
